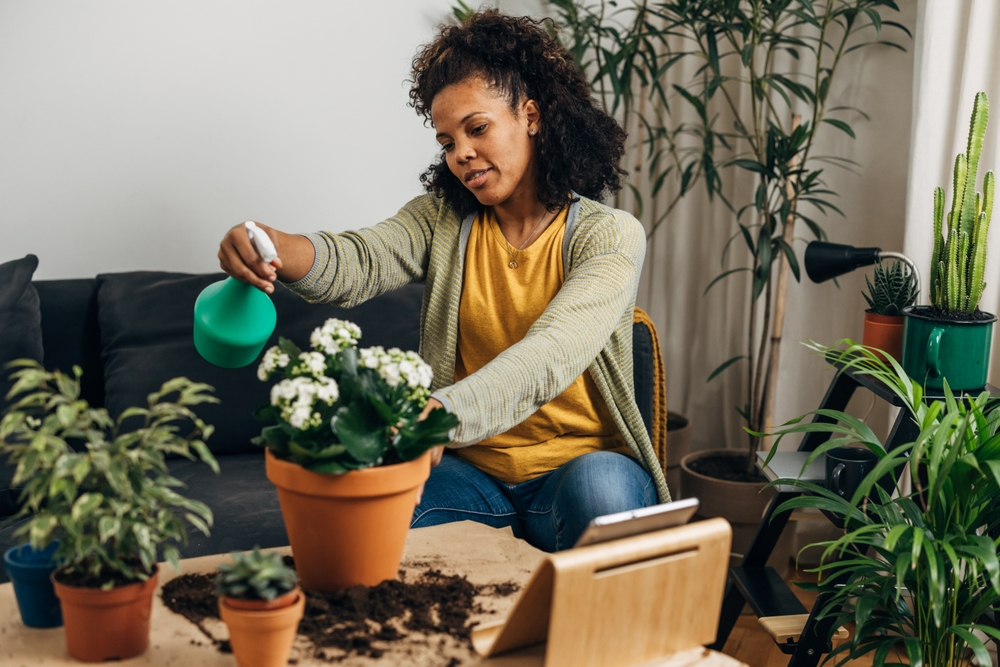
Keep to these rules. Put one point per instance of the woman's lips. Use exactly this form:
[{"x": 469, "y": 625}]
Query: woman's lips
[{"x": 476, "y": 179}]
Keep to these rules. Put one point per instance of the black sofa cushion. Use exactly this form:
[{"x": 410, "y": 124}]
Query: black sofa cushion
[
  {"x": 20, "y": 338},
  {"x": 70, "y": 336},
  {"x": 146, "y": 321}
]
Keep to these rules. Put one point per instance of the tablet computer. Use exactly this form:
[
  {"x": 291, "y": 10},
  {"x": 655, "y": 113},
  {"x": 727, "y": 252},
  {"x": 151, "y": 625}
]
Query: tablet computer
[{"x": 636, "y": 522}]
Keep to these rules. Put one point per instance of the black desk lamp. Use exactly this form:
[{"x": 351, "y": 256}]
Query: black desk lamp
[{"x": 829, "y": 260}]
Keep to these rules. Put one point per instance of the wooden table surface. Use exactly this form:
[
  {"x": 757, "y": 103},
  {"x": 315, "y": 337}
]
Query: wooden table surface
[{"x": 483, "y": 554}]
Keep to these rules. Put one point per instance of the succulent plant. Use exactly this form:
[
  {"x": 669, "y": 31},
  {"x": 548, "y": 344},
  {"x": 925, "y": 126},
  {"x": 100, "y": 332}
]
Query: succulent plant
[
  {"x": 958, "y": 263},
  {"x": 894, "y": 289},
  {"x": 254, "y": 575}
]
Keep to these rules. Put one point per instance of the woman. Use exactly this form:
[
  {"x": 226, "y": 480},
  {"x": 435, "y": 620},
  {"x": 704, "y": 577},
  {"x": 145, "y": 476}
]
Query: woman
[{"x": 530, "y": 286}]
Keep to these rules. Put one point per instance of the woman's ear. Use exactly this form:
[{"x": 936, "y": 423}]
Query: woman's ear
[{"x": 529, "y": 110}]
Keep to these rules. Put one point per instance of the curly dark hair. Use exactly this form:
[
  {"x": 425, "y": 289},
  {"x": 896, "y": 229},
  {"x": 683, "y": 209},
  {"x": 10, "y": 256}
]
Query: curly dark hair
[{"x": 578, "y": 147}]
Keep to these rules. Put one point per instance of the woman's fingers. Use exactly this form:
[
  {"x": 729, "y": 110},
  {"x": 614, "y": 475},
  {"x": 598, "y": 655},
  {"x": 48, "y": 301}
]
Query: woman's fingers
[{"x": 239, "y": 258}]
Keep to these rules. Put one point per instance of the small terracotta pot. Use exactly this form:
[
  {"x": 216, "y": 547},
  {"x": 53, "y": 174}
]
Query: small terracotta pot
[
  {"x": 106, "y": 625},
  {"x": 347, "y": 530},
  {"x": 884, "y": 332},
  {"x": 263, "y": 637},
  {"x": 264, "y": 605}
]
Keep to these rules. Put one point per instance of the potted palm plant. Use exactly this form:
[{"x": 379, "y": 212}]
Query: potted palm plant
[
  {"x": 111, "y": 506},
  {"x": 893, "y": 290},
  {"x": 260, "y": 601},
  {"x": 951, "y": 337},
  {"x": 915, "y": 570},
  {"x": 348, "y": 452}
]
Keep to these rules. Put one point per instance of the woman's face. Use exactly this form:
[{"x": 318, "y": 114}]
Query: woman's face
[{"x": 488, "y": 147}]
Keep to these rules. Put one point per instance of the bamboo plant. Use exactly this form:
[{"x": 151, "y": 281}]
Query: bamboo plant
[{"x": 958, "y": 262}]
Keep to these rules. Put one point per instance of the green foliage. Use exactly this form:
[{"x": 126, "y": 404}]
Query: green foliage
[
  {"x": 958, "y": 262},
  {"x": 895, "y": 288},
  {"x": 113, "y": 504},
  {"x": 920, "y": 569},
  {"x": 255, "y": 576},
  {"x": 339, "y": 408}
]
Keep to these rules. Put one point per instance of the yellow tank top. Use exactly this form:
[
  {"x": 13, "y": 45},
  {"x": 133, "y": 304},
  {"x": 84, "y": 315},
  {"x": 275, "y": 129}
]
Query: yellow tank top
[{"x": 499, "y": 304}]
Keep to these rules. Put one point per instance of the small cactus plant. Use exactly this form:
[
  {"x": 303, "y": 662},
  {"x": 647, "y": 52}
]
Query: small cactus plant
[
  {"x": 254, "y": 575},
  {"x": 958, "y": 263},
  {"x": 894, "y": 289}
]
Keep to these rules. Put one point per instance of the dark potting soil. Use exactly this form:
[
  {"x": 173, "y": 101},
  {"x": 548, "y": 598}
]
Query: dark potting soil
[
  {"x": 358, "y": 619},
  {"x": 87, "y": 580},
  {"x": 952, "y": 316},
  {"x": 728, "y": 468}
]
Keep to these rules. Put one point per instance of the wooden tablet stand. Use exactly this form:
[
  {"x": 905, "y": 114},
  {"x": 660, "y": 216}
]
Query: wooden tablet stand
[{"x": 621, "y": 603}]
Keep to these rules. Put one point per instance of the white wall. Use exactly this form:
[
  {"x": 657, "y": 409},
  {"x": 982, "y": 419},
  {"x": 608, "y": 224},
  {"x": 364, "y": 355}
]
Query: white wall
[{"x": 132, "y": 135}]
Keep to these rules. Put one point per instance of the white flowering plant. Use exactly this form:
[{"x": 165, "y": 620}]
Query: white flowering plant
[{"x": 338, "y": 408}]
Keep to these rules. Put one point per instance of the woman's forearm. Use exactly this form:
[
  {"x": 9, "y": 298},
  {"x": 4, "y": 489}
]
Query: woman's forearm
[{"x": 297, "y": 256}]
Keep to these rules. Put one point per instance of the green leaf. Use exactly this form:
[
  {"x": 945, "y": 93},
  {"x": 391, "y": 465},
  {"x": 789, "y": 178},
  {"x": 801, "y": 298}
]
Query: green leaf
[
  {"x": 841, "y": 125},
  {"x": 723, "y": 275},
  {"x": 416, "y": 437},
  {"x": 86, "y": 504},
  {"x": 361, "y": 432},
  {"x": 726, "y": 364},
  {"x": 751, "y": 165}
]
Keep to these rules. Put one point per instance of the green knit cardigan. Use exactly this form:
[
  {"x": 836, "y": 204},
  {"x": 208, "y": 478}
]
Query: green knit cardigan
[{"x": 587, "y": 325}]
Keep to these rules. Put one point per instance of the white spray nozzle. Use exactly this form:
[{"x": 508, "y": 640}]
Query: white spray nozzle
[{"x": 261, "y": 241}]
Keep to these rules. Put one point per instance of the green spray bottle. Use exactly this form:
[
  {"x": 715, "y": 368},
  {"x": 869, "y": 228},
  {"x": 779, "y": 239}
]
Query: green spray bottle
[{"x": 232, "y": 319}]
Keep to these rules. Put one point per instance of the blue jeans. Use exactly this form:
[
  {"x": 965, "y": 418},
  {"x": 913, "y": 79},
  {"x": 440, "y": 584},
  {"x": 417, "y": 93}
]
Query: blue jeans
[{"x": 550, "y": 511}]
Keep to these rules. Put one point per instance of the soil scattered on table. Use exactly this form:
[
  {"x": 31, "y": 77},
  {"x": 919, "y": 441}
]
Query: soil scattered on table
[{"x": 360, "y": 620}]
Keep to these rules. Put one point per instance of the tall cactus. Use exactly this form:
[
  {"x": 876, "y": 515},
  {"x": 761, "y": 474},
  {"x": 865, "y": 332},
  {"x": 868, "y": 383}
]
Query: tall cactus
[{"x": 958, "y": 261}]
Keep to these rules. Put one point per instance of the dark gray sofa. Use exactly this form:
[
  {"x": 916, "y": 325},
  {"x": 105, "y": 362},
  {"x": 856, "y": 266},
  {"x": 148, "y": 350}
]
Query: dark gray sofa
[{"x": 130, "y": 332}]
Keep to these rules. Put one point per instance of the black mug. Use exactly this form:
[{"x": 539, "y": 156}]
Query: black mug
[{"x": 846, "y": 467}]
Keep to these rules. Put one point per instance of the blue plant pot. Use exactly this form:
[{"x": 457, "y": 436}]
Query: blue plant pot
[{"x": 29, "y": 571}]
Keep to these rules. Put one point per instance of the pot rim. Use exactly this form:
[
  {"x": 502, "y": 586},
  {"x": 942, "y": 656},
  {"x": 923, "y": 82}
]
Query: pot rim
[
  {"x": 281, "y": 602},
  {"x": 368, "y": 483},
  {"x": 914, "y": 312},
  {"x": 9, "y": 559},
  {"x": 884, "y": 319},
  {"x": 95, "y": 597},
  {"x": 717, "y": 452}
]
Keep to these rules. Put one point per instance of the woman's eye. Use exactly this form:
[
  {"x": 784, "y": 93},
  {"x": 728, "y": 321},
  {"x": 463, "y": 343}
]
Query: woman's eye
[
  {"x": 479, "y": 130},
  {"x": 447, "y": 147}
]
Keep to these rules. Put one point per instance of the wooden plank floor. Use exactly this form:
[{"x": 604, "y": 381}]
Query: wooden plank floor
[{"x": 749, "y": 643}]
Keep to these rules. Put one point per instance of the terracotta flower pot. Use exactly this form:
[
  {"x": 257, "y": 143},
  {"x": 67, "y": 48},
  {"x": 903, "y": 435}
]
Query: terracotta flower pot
[
  {"x": 262, "y": 636},
  {"x": 347, "y": 530},
  {"x": 884, "y": 332},
  {"x": 106, "y": 625}
]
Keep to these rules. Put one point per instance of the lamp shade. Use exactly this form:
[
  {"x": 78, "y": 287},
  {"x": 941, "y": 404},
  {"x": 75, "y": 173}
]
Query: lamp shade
[{"x": 829, "y": 260}]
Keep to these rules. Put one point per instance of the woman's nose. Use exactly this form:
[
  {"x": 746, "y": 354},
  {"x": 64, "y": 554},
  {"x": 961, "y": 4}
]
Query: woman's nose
[{"x": 464, "y": 151}]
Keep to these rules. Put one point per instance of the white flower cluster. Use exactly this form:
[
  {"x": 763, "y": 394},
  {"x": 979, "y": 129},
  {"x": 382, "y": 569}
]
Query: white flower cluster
[
  {"x": 335, "y": 335},
  {"x": 397, "y": 367},
  {"x": 296, "y": 398},
  {"x": 312, "y": 364},
  {"x": 273, "y": 359}
]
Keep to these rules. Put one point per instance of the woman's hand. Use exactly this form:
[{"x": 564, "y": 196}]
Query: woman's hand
[
  {"x": 436, "y": 452},
  {"x": 238, "y": 257}
]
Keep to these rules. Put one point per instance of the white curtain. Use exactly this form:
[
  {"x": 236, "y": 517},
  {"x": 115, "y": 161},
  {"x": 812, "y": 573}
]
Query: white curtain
[{"x": 957, "y": 55}]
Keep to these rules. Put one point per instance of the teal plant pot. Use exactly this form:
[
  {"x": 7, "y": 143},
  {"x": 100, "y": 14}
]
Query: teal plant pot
[
  {"x": 29, "y": 571},
  {"x": 935, "y": 349}
]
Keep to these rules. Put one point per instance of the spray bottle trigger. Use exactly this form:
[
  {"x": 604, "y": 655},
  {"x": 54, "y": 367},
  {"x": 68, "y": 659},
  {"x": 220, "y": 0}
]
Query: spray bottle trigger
[{"x": 261, "y": 241}]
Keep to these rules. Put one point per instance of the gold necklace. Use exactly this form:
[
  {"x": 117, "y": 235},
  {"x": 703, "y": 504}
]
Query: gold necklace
[{"x": 514, "y": 253}]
